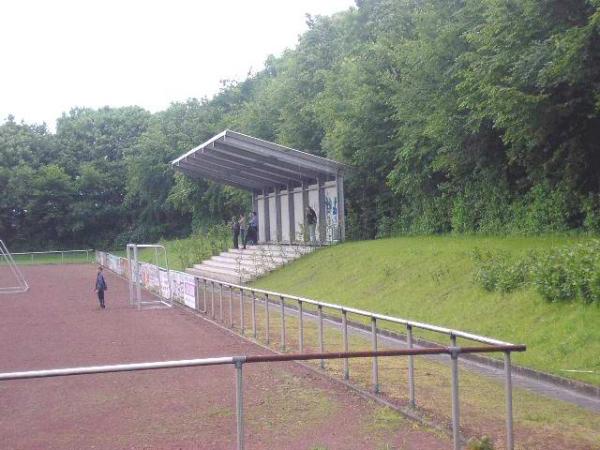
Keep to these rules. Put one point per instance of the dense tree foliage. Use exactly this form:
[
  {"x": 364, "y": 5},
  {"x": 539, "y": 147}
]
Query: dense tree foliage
[{"x": 458, "y": 115}]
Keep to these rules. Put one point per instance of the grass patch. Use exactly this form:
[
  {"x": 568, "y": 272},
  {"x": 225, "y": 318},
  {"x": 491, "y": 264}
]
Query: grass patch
[
  {"x": 538, "y": 420},
  {"x": 430, "y": 279}
]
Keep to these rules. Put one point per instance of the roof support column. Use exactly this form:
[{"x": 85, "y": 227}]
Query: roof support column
[
  {"x": 304, "y": 205},
  {"x": 254, "y": 202},
  {"x": 267, "y": 226},
  {"x": 322, "y": 212},
  {"x": 339, "y": 182},
  {"x": 278, "y": 213},
  {"x": 291, "y": 212}
]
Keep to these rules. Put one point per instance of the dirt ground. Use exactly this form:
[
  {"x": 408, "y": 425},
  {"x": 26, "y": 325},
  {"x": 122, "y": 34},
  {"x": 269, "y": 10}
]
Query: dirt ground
[{"x": 58, "y": 323}]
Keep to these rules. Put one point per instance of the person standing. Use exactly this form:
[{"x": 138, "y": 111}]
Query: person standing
[
  {"x": 101, "y": 286},
  {"x": 253, "y": 229},
  {"x": 311, "y": 220},
  {"x": 243, "y": 229},
  {"x": 235, "y": 228}
]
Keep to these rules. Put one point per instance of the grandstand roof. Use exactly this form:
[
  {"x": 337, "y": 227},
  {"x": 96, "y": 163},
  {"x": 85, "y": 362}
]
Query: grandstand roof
[{"x": 250, "y": 163}]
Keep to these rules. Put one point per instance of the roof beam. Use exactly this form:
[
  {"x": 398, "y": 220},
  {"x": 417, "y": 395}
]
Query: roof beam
[
  {"x": 240, "y": 170},
  {"x": 231, "y": 151},
  {"x": 245, "y": 184},
  {"x": 285, "y": 154},
  {"x": 257, "y": 167},
  {"x": 283, "y": 149},
  {"x": 196, "y": 176},
  {"x": 249, "y": 181}
]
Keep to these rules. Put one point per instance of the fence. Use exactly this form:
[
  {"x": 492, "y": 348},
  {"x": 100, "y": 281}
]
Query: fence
[
  {"x": 31, "y": 256},
  {"x": 210, "y": 293},
  {"x": 239, "y": 361}
]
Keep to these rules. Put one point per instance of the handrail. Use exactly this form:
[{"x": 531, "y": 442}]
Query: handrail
[
  {"x": 239, "y": 361},
  {"x": 361, "y": 312},
  {"x": 221, "y": 360}
]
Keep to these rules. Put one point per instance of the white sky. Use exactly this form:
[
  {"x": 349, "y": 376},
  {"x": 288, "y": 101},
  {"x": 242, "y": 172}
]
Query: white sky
[{"x": 58, "y": 54}]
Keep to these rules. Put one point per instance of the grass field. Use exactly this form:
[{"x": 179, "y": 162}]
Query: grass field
[{"x": 431, "y": 279}]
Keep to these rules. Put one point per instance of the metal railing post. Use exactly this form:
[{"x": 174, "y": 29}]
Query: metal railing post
[
  {"x": 345, "y": 342},
  {"x": 204, "y": 299},
  {"x": 509, "y": 408},
  {"x": 212, "y": 299},
  {"x": 230, "y": 307},
  {"x": 253, "y": 314},
  {"x": 375, "y": 365},
  {"x": 221, "y": 302},
  {"x": 242, "y": 312},
  {"x": 282, "y": 300},
  {"x": 411, "y": 367},
  {"x": 455, "y": 404},
  {"x": 62, "y": 257},
  {"x": 321, "y": 343},
  {"x": 453, "y": 339},
  {"x": 300, "y": 327},
  {"x": 267, "y": 331},
  {"x": 239, "y": 404}
]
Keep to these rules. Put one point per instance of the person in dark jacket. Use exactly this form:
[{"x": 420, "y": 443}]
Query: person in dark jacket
[
  {"x": 311, "y": 220},
  {"x": 101, "y": 286},
  {"x": 253, "y": 229},
  {"x": 235, "y": 228}
]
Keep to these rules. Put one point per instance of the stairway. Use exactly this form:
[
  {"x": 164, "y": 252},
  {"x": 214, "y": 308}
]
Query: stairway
[{"x": 240, "y": 266}]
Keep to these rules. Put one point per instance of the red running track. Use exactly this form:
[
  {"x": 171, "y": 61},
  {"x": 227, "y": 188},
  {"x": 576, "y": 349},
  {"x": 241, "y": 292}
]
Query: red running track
[{"x": 58, "y": 324}]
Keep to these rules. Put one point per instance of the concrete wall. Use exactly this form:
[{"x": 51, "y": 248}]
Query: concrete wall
[{"x": 281, "y": 209}]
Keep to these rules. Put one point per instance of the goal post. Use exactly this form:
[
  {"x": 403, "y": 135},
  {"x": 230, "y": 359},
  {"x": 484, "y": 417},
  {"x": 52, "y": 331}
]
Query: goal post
[
  {"x": 12, "y": 280},
  {"x": 153, "y": 277}
]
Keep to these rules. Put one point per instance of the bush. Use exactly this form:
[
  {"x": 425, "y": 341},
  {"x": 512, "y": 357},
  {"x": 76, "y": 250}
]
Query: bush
[
  {"x": 497, "y": 271},
  {"x": 568, "y": 273},
  {"x": 202, "y": 245},
  {"x": 559, "y": 275}
]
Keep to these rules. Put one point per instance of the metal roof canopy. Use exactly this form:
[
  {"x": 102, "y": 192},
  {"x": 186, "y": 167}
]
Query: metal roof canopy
[{"x": 252, "y": 164}]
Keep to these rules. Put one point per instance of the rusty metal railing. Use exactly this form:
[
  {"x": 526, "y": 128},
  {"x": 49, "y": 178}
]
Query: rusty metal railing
[{"x": 239, "y": 361}]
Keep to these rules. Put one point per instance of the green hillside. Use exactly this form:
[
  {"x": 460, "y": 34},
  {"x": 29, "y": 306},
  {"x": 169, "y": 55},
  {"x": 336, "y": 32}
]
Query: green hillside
[{"x": 431, "y": 279}]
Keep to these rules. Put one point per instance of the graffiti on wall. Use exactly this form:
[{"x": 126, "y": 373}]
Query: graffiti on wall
[{"x": 331, "y": 217}]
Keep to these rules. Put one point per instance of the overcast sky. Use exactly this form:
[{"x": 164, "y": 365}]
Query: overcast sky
[{"x": 59, "y": 54}]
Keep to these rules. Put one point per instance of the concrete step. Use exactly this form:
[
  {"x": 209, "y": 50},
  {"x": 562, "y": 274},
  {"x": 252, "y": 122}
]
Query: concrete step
[
  {"x": 230, "y": 263},
  {"x": 246, "y": 268},
  {"x": 252, "y": 258},
  {"x": 243, "y": 265},
  {"x": 220, "y": 275},
  {"x": 275, "y": 250}
]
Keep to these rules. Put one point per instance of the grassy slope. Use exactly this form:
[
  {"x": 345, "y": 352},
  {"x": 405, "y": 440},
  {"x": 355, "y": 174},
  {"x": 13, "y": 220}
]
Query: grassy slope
[{"x": 430, "y": 279}]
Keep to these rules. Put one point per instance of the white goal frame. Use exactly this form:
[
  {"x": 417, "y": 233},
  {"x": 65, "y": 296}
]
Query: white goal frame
[
  {"x": 7, "y": 258},
  {"x": 135, "y": 283}
]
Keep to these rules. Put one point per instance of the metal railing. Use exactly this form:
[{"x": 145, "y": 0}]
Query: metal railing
[
  {"x": 213, "y": 291},
  {"x": 56, "y": 252},
  {"x": 239, "y": 361},
  {"x": 290, "y": 305}
]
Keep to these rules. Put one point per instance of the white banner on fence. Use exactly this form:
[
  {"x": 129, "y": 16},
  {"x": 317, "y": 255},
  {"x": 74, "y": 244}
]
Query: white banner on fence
[
  {"x": 182, "y": 286},
  {"x": 164, "y": 284}
]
